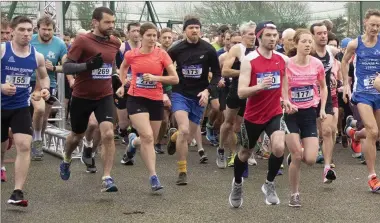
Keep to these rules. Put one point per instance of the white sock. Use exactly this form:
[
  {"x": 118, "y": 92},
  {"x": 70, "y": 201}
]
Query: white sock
[
  {"x": 87, "y": 143},
  {"x": 105, "y": 177},
  {"x": 201, "y": 149},
  {"x": 37, "y": 136},
  {"x": 3, "y": 168},
  {"x": 327, "y": 166},
  {"x": 371, "y": 175}
]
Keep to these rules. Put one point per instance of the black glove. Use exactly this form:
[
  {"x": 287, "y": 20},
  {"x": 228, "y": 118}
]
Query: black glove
[{"x": 95, "y": 62}]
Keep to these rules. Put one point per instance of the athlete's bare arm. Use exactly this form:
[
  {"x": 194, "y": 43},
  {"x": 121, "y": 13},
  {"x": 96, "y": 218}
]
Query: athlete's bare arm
[
  {"x": 244, "y": 90},
  {"x": 221, "y": 60},
  {"x": 123, "y": 71},
  {"x": 171, "y": 78},
  {"x": 229, "y": 61},
  {"x": 324, "y": 93},
  {"x": 41, "y": 73},
  {"x": 345, "y": 66}
]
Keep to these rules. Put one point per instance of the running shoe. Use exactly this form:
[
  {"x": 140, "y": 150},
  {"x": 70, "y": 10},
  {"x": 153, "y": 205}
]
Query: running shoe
[
  {"x": 65, "y": 170},
  {"x": 374, "y": 184},
  {"x": 182, "y": 179},
  {"x": 17, "y": 199},
  {"x": 155, "y": 183},
  {"x": 108, "y": 185},
  {"x": 37, "y": 152},
  {"x": 221, "y": 160},
  {"x": 158, "y": 148},
  {"x": 320, "y": 158},
  {"x": 280, "y": 172},
  {"x": 3, "y": 174},
  {"x": 171, "y": 146},
  {"x": 252, "y": 161},
  {"x": 88, "y": 159},
  {"x": 329, "y": 176},
  {"x": 203, "y": 157},
  {"x": 349, "y": 120},
  {"x": 295, "y": 201},
  {"x": 269, "y": 191},
  {"x": 236, "y": 198},
  {"x": 128, "y": 159},
  {"x": 210, "y": 133}
]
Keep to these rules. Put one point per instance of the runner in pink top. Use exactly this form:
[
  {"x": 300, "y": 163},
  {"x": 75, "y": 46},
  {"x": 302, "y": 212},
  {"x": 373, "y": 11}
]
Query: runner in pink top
[{"x": 305, "y": 73}]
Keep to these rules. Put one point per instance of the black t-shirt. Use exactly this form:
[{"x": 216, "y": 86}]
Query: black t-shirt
[{"x": 327, "y": 61}]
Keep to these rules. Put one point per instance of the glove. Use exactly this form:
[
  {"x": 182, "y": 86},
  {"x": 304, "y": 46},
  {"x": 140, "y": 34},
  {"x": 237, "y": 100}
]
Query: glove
[{"x": 95, "y": 62}]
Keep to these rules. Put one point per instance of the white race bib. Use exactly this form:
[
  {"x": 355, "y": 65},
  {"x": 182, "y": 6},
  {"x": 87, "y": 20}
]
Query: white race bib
[
  {"x": 302, "y": 94},
  {"x": 192, "y": 71},
  {"x": 276, "y": 79},
  {"x": 369, "y": 81},
  {"x": 140, "y": 83},
  {"x": 18, "y": 80},
  {"x": 102, "y": 73}
]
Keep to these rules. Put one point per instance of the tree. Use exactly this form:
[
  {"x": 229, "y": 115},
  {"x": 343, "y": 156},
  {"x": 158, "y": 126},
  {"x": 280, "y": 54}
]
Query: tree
[
  {"x": 84, "y": 13},
  {"x": 180, "y": 9},
  {"x": 353, "y": 15},
  {"x": 283, "y": 14},
  {"x": 340, "y": 26}
]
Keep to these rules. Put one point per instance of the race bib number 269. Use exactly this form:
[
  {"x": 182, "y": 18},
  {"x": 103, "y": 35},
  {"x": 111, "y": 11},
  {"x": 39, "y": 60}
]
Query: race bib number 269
[{"x": 102, "y": 73}]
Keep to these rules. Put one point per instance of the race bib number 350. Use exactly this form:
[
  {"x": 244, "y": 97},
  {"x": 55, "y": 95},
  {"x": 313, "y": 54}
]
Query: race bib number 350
[
  {"x": 276, "y": 78},
  {"x": 302, "y": 94},
  {"x": 18, "y": 80},
  {"x": 102, "y": 73},
  {"x": 192, "y": 71},
  {"x": 140, "y": 83}
]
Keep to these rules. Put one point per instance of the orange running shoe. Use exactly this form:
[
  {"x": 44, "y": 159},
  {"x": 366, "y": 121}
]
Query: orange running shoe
[{"x": 374, "y": 184}]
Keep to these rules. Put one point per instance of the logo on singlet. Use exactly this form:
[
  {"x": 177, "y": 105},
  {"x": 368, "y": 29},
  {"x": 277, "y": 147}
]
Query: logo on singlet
[{"x": 11, "y": 59}]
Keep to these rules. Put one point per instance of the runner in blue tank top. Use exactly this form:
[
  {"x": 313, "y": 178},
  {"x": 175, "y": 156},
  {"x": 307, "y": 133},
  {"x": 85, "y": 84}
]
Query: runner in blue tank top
[
  {"x": 366, "y": 49},
  {"x": 18, "y": 62}
]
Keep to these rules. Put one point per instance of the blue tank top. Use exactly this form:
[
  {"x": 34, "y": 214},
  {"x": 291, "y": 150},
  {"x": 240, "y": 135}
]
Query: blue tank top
[
  {"x": 366, "y": 64},
  {"x": 18, "y": 71}
]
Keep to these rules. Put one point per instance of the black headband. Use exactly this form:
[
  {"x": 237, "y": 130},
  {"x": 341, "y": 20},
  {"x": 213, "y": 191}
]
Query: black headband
[{"x": 191, "y": 22}]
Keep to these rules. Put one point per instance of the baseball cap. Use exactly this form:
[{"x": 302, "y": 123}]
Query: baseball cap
[
  {"x": 262, "y": 25},
  {"x": 345, "y": 42}
]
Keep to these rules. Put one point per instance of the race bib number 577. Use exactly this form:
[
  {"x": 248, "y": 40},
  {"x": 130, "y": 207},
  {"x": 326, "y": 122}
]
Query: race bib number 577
[{"x": 276, "y": 78}]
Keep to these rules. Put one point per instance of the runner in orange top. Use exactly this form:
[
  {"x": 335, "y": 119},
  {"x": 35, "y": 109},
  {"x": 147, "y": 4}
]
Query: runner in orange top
[{"x": 145, "y": 101}]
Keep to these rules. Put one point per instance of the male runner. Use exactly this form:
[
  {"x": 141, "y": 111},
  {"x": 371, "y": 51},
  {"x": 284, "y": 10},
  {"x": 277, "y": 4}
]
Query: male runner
[
  {"x": 287, "y": 40},
  {"x": 325, "y": 54},
  {"x": 18, "y": 62},
  {"x": 262, "y": 81},
  {"x": 5, "y": 31},
  {"x": 235, "y": 105},
  {"x": 367, "y": 68},
  {"x": 92, "y": 58},
  {"x": 194, "y": 58},
  {"x": 54, "y": 51}
]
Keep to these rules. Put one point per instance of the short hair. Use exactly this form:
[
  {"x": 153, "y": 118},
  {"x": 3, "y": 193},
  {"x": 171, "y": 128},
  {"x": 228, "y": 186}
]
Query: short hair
[
  {"x": 316, "y": 24},
  {"x": 372, "y": 12},
  {"x": 331, "y": 36},
  {"x": 247, "y": 25},
  {"x": 287, "y": 31},
  {"x": 116, "y": 33},
  {"x": 98, "y": 13},
  {"x": 121, "y": 31},
  {"x": 146, "y": 26},
  {"x": 20, "y": 19},
  {"x": 222, "y": 29},
  {"x": 66, "y": 33},
  {"x": 236, "y": 33},
  {"x": 132, "y": 24},
  {"x": 45, "y": 20},
  {"x": 4, "y": 23},
  {"x": 166, "y": 30}
]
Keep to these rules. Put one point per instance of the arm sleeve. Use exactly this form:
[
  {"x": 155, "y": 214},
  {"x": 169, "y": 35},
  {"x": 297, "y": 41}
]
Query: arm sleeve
[
  {"x": 70, "y": 67},
  {"x": 118, "y": 59}
]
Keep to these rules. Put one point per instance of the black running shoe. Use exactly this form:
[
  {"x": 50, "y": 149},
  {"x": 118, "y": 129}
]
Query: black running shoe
[{"x": 17, "y": 199}]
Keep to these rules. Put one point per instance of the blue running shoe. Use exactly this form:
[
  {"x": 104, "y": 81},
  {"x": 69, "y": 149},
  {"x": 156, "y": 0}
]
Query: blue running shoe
[
  {"x": 155, "y": 183},
  {"x": 320, "y": 158},
  {"x": 131, "y": 148},
  {"x": 245, "y": 173},
  {"x": 279, "y": 173},
  {"x": 108, "y": 185},
  {"x": 65, "y": 170}
]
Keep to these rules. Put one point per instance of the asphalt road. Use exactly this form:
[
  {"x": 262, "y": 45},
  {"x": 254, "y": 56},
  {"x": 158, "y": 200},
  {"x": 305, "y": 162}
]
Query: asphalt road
[{"x": 204, "y": 199}]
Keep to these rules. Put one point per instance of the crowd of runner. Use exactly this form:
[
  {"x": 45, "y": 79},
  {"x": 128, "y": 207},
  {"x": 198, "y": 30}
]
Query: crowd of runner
[{"x": 257, "y": 92}]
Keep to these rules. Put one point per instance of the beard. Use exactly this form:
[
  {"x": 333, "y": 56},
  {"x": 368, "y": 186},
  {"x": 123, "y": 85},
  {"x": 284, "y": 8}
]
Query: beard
[
  {"x": 46, "y": 39},
  {"x": 106, "y": 32}
]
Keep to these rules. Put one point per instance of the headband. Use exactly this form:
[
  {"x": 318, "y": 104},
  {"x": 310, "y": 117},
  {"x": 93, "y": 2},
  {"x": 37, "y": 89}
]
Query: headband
[{"x": 191, "y": 22}]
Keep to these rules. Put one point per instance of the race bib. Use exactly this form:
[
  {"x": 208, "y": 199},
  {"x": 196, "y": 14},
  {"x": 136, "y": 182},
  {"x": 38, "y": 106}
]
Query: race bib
[
  {"x": 140, "y": 83},
  {"x": 302, "y": 94},
  {"x": 18, "y": 80},
  {"x": 276, "y": 79},
  {"x": 192, "y": 71},
  {"x": 369, "y": 81},
  {"x": 102, "y": 73}
]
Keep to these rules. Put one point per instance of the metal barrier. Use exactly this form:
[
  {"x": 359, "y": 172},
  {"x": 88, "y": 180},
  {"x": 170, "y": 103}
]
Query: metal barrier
[{"x": 55, "y": 137}]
